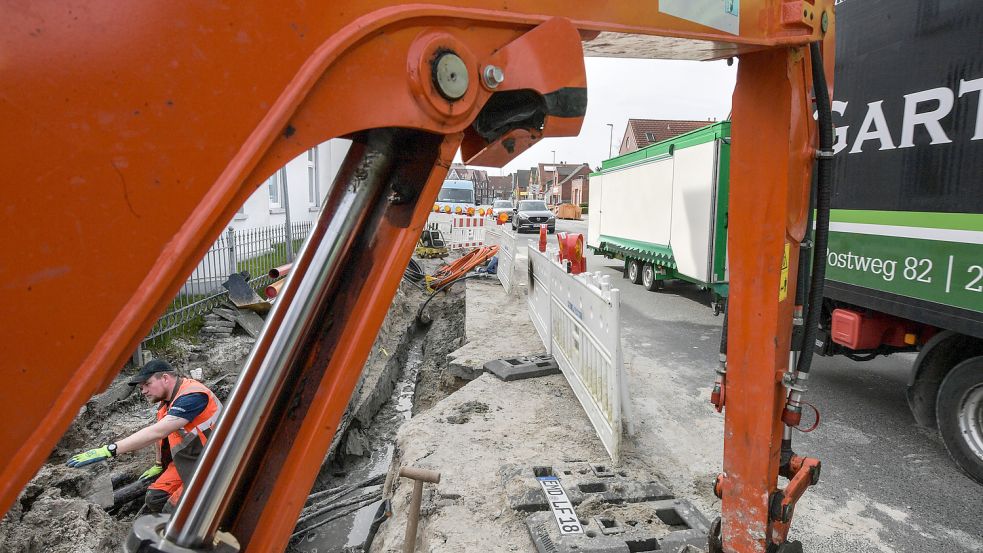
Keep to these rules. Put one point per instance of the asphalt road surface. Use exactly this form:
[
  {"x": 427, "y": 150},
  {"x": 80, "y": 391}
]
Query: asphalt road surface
[{"x": 881, "y": 475}]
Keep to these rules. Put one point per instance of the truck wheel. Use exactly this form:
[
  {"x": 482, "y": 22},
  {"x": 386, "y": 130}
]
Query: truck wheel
[
  {"x": 959, "y": 411},
  {"x": 635, "y": 271},
  {"x": 648, "y": 278}
]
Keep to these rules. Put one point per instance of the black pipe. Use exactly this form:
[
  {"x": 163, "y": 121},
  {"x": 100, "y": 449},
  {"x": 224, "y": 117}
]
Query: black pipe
[
  {"x": 424, "y": 319},
  {"x": 823, "y": 193},
  {"x": 131, "y": 492}
]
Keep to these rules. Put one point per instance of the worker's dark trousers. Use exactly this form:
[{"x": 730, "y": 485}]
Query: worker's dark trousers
[{"x": 156, "y": 501}]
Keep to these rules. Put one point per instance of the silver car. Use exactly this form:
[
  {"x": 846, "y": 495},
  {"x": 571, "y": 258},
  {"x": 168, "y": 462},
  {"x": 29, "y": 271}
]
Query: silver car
[
  {"x": 502, "y": 206},
  {"x": 530, "y": 214}
]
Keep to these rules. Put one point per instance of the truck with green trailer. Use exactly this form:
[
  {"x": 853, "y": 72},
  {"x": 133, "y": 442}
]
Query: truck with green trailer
[
  {"x": 663, "y": 210},
  {"x": 905, "y": 257},
  {"x": 904, "y": 263}
]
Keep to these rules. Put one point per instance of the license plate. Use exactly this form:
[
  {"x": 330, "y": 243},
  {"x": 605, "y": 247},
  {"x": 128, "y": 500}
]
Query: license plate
[{"x": 566, "y": 518}]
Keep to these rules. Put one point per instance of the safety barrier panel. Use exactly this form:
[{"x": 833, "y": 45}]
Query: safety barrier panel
[
  {"x": 504, "y": 238},
  {"x": 459, "y": 231},
  {"x": 578, "y": 318}
]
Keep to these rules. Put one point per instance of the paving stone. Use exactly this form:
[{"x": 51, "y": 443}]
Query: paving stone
[
  {"x": 527, "y": 366},
  {"x": 250, "y": 322},
  {"x": 226, "y": 313},
  {"x": 219, "y": 322},
  {"x": 120, "y": 391}
]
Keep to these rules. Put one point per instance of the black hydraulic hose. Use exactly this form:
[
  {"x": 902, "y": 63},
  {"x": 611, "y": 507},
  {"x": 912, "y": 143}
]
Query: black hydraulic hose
[
  {"x": 803, "y": 276},
  {"x": 424, "y": 319},
  {"x": 801, "y": 297},
  {"x": 823, "y": 193},
  {"x": 723, "y": 332}
]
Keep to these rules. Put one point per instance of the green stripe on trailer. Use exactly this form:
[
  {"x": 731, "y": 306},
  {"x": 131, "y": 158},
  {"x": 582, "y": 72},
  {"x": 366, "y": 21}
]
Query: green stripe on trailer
[
  {"x": 636, "y": 249},
  {"x": 952, "y": 221},
  {"x": 721, "y": 212},
  {"x": 713, "y": 131}
]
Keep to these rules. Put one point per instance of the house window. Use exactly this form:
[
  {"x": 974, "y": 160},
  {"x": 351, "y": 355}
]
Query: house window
[
  {"x": 313, "y": 193},
  {"x": 650, "y": 137},
  {"x": 276, "y": 193}
]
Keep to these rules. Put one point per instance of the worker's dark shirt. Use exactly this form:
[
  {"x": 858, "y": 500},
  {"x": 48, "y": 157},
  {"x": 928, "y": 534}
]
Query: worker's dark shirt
[{"x": 188, "y": 406}]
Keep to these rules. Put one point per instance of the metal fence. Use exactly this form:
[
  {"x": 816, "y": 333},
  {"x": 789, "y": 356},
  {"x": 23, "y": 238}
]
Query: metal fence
[{"x": 255, "y": 251}]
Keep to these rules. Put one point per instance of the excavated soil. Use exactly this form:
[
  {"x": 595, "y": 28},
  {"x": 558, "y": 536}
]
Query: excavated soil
[
  {"x": 65, "y": 510},
  {"x": 445, "y": 335}
]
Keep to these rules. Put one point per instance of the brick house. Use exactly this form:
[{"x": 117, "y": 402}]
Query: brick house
[{"x": 640, "y": 133}]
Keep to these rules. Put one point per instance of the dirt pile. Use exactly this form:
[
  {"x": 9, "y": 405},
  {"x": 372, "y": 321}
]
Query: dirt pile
[{"x": 55, "y": 513}]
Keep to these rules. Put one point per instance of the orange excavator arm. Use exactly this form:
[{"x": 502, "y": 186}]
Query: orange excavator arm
[{"x": 133, "y": 133}]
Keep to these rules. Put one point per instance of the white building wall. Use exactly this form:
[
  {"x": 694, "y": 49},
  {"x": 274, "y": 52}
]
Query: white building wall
[{"x": 258, "y": 211}]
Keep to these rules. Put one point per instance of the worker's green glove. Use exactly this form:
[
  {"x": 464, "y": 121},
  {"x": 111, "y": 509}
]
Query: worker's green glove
[
  {"x": 152, "y": 472},
  {"x": 96, "y": 455}
]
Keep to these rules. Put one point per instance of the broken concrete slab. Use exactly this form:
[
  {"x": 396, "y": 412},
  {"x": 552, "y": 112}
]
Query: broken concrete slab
[
  {"x": 117, "y": 392},
  {"x": 520, "y": 368},
  {"x": 214, "y": 330},
  {"x": 250, "y": 322},
  {"x": 226, "y": 313},
  {"x": 219, "y": 322},
  {"x": 466, "y": 362}
]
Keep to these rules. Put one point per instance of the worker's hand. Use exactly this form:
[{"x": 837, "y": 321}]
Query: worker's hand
[
  {"x": 96, "y": 455},
  {"x": 152, "y": 472}
]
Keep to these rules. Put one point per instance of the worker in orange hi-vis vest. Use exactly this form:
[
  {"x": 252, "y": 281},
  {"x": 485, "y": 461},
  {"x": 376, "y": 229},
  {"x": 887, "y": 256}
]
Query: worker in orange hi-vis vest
[{"x": 186, "y": 413}]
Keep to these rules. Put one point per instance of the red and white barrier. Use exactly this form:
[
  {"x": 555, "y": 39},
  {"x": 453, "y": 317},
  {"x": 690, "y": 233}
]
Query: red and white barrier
[{"x": 459, "y": 231}]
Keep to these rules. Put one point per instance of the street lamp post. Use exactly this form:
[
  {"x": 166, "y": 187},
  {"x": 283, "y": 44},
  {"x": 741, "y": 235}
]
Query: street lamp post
[
  {"x": 550, "y": 193},
  {"x": 610, "y": 139}
]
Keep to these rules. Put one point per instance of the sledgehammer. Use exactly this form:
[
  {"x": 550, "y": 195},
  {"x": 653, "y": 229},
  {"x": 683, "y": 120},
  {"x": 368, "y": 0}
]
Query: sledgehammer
[{"x": 413, "y": 518}]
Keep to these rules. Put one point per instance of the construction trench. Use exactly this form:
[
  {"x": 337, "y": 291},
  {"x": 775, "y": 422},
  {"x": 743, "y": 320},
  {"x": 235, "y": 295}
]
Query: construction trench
[
  {"x": 424, "y": 401},
  {"x": 91, "y": 509},
  {"x": 429, "y": 374}
]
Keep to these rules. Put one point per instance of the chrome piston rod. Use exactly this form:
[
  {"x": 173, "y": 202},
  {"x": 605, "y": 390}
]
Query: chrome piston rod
[{"x": 227, "y": 451}]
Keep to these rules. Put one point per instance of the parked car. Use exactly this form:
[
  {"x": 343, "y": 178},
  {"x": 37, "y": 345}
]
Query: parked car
[
  {"x": 502, "y": 206},
  {"x": 530, "y": 214}
]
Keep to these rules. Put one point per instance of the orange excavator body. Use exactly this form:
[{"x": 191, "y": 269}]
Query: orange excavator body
[{"x": 132, "y": 135}]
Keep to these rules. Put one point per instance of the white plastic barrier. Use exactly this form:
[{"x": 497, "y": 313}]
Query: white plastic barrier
[
  {"x": 459, "y": 231},
  {"x": 578, "y": 317},
  {"x": 504, "y": 238}
]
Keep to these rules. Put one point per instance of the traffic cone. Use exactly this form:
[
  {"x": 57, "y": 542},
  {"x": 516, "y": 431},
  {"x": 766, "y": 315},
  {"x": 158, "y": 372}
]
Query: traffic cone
[{"x": 542, "y": 238}]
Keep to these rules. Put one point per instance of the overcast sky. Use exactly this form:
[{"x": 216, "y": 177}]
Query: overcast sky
[{"x": 619, "y": 89}]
